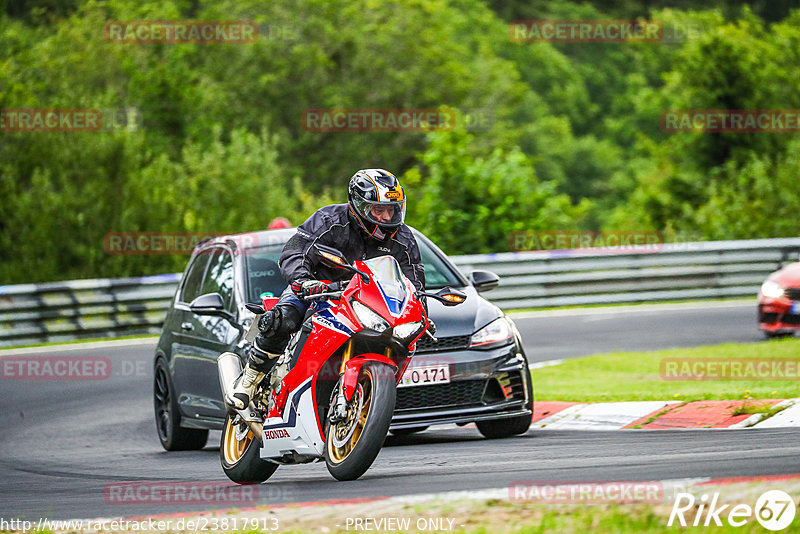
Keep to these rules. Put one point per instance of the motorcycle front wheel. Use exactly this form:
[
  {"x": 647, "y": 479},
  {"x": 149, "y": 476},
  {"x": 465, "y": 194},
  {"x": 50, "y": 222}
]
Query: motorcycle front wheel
[
  {"x": 353, "y": 444},
  {"x": 239, "y": 454}
]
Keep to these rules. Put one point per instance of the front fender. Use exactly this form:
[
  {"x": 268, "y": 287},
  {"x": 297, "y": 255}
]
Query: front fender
[{"x": 353, "y": 367}]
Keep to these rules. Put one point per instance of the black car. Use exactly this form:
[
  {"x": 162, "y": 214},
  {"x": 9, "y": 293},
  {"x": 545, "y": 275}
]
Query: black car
[{"x": 489, "y": 381}]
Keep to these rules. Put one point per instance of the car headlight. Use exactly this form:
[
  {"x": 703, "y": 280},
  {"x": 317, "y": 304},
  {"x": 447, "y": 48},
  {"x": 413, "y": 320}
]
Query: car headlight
[
  {"x": 495, "y": 334},
  {"x": 771, "y": 289},
  {"x": 369, "y": 318},
  {"x": 405, "y": 331}
]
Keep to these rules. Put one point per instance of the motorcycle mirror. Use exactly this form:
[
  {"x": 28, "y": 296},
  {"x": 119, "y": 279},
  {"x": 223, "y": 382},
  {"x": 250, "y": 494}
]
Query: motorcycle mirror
[
  {"x": 451, "y": 297},
  {"x": 447, "y": 296},
  {"x": 255, "y": 308},
  {"x": 330, "y": 257}
]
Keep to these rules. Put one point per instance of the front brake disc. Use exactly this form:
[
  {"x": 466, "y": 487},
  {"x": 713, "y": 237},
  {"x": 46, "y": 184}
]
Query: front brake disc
[{"x": 343, "y": 431}]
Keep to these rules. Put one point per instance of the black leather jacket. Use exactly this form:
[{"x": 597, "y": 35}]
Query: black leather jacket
[{"x": 332, "y": 226}]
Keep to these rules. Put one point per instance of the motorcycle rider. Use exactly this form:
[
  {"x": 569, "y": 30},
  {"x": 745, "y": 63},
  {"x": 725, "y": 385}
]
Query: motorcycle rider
[{"x": 371, "y": 224}]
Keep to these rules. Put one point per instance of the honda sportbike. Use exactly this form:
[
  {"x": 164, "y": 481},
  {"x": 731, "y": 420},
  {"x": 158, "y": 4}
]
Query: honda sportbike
[{"x": 331, "y": 394}]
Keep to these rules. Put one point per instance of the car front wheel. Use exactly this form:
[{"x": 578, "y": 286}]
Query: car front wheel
[{"x": 172, "y": 436}]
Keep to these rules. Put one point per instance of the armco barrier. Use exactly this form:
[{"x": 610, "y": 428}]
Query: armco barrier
[
  {"x": 61, "y": 311},
  {"x": 701, "y": 270}
]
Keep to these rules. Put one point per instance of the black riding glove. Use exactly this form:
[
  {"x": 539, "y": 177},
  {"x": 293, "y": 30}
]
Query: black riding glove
[{"x": 270, "y": 322}]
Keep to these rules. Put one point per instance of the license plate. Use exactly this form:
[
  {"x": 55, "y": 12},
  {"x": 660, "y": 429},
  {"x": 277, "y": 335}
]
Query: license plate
[
  {"x": 795, "y": 307},
  {"x": 425, "y": 376}
]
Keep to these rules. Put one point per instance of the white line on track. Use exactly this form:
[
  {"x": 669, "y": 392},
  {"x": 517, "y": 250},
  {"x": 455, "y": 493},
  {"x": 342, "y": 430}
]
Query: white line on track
[
  {"x": 548, "y": 363},
  {"x": 133, "y": 342},
  {"x": 639, "y": 308}
]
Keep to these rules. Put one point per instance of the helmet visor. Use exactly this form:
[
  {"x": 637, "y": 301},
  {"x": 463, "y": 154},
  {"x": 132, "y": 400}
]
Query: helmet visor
[{"x": 387, "y": 214}]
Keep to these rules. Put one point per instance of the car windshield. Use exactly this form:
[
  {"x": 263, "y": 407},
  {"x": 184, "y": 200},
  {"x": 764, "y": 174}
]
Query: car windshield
[
  {"x": 263, "y": 273},
  {"x": 437, "y": 273},
  {"x": 390, "y": 280}
]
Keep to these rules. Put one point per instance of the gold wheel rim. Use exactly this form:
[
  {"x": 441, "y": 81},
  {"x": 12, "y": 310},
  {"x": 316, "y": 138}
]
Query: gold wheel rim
[
  {"x": 339, "y": 454},
  {"x": 234, "y": 449}
]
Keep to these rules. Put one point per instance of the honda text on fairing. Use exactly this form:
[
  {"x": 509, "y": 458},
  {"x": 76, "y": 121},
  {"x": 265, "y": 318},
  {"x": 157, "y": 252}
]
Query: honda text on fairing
[
  {"x": 332, "y": 393},
  {"x": 475, "y": 372}
]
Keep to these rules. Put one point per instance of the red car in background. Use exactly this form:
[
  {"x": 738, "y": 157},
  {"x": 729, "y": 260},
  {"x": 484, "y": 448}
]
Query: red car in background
[{"x": 779, "y": 302}]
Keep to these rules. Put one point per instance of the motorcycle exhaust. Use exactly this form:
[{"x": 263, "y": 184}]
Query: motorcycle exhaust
[{"x": 229, "y": 367}]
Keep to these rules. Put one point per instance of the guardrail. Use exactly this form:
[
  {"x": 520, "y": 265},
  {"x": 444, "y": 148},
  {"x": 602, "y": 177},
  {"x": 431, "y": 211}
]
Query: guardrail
[
  {"x": 65, "y": 311},
  {"x": 62, "y": 311},
  {"x": 677, "y": 271}
]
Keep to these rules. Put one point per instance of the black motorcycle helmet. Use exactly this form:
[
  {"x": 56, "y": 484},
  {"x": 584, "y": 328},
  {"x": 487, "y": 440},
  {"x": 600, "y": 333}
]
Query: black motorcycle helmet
[{"x": 377, "y": 202}]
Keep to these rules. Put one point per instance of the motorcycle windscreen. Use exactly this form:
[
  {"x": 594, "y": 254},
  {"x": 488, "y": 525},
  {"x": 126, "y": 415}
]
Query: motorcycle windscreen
[{"x": 391, "y": 282}]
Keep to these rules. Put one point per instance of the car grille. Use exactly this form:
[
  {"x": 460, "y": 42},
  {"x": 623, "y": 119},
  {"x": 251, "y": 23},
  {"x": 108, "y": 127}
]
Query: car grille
[
  {"x": 791, "y": 319},
  {"x": 463, "y": 393},
  {"x": 515, "y": 384},
  {"x": 425, "y": 344},
  {"x": 505, "y": 386},
  {"x": 793, "y": 293},
  {"x": 769, "y": 317}
]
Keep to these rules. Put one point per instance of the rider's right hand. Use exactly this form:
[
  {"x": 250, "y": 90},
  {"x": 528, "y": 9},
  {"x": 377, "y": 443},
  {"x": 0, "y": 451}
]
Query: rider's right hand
[{"x": 309, "y": 287}]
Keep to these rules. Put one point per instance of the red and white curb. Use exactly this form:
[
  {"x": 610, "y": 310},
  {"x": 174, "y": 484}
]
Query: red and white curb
[{"x": 663, "y": 415}]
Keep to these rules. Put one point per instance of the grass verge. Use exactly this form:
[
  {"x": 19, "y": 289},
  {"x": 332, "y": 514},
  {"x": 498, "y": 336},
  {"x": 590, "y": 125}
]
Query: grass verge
[{"x": 633, "y": 376}]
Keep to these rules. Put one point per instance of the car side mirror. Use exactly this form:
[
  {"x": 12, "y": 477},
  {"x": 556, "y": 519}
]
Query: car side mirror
[
  {"x": 210, "y": 304},
  {"x": 484, "y": 280}
]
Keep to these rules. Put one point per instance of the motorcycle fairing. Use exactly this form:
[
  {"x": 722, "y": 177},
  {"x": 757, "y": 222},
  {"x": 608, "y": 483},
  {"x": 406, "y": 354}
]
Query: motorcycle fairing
[
  {"x": 353, "y": 367},
  {"x": 325, "y": 317},
  {"x": 293, "y": 434}
]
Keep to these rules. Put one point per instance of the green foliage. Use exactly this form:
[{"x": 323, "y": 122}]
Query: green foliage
[
  {"x": 473, "y": 202},
  {"x": 218, "y": 144}
]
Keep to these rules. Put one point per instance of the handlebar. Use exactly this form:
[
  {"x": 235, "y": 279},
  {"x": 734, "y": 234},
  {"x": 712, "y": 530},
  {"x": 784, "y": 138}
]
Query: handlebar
[{"x": 336, "y": 290}]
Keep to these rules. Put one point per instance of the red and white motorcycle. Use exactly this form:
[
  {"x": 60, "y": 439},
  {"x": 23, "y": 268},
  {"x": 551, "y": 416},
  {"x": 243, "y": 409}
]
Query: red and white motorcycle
[{"x": 331, "y": 395}]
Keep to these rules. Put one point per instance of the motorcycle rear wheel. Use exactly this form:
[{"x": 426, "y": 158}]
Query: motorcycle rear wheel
[
  {"x": 361, "y": 436},
  {"x": 240, "y": 459}
]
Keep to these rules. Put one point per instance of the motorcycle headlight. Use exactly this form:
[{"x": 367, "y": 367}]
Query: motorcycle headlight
[
  {"x": 405, "y": 331},
  {"x": 495, "y": 334},
  {"x": 369, "y": 318},
  {"x": 771, "y": 289}
]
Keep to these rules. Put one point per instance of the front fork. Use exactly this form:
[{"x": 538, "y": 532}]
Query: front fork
[{"x": 349, "y": 371}]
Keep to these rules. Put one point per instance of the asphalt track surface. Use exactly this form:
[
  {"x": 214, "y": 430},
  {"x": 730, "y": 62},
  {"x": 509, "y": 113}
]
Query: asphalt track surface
[{"x": 65, "y": 443}]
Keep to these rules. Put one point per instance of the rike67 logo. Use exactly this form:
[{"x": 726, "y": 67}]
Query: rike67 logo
[{"x": 774, "y": 510}]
